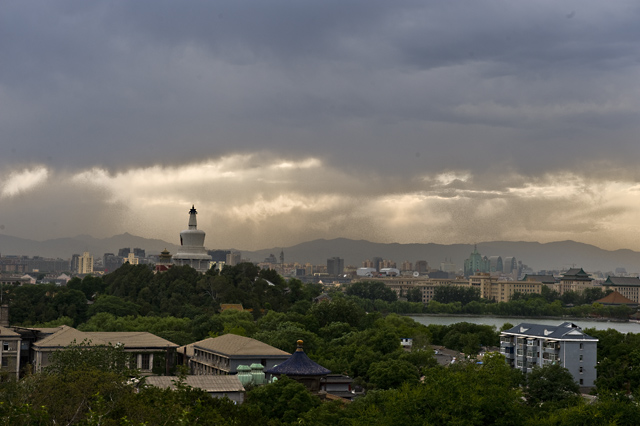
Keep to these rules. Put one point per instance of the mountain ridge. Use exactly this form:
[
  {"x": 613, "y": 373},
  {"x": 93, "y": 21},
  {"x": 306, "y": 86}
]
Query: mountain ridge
[{"x": 553, "y": 255}]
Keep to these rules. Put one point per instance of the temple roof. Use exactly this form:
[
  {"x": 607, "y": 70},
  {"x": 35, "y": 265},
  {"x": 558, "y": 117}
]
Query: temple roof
[
  {"x": 576, "y": 274},
  {"x": 616, "y": 298},
  {"x": 299, "y": 364},
  {"x": 623, "y": 281}
]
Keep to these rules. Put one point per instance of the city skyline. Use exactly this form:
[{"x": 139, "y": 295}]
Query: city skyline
[{"x": 283, "y": 122}]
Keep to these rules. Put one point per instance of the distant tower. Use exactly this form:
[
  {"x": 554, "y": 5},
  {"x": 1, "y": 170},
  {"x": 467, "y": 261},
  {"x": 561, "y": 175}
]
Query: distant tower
[
  {"x": 282, "y": 257},
  {"x": 192, "y": 251}
]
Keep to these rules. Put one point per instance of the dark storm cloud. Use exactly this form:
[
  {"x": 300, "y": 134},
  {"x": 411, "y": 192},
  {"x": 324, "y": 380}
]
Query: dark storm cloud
[
  {"x": 471, "y": 111},
  {"x": 348, "y": 80}
]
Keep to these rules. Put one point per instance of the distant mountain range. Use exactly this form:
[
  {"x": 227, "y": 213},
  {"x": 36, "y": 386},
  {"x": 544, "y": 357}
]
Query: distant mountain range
[
  {"x": 556, "y": 255},
  {"x": 65, "y": 247}
]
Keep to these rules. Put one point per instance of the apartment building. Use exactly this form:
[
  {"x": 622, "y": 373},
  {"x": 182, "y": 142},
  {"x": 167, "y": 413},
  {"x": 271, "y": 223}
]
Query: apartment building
[{"x": 526, "y": 346}]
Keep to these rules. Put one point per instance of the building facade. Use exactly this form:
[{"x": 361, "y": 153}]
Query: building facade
[
  {"x": 223, "y": 354},
  {"x": 527, "y": 346},
  {"x": 629, "y": 287},
  {"x": 335, "y": 266},
  {"x": 575, "y": 280}
]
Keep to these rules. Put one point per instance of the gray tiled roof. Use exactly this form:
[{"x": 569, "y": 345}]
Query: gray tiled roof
[
  {"x": 564, "y": 331},
  {"x": 66, "y": 335},
  {"x": 234, "y": 345},
  {"x": 208, "y": 383},
  {"x": 133, "y": 339},
  {"x": 576, "y": 274},
  {"x": 625, "y": 281}
]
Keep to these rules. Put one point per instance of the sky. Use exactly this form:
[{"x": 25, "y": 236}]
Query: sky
[{"x": 285, "y": 121}]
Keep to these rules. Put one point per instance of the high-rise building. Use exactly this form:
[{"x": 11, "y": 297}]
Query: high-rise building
[
  {"x": 111, "y": 262},
  {"x": 85, "y": 263},
  {"x": 233, "y": 258},
  {"x": 139, "y": 253},
  {"x": 406, "y": 266},
  {"x": 376, "y": 263},
  {"x": 422, "y": 266},
  {"x": 476, "y": 263},
  {"x": 219, "y": 255},
  {"x": 124, "y": 252},
  {"x": 335, "y": 266},
  {"x": 192, "y": 251},
  {"x": 448, "y": 266}
]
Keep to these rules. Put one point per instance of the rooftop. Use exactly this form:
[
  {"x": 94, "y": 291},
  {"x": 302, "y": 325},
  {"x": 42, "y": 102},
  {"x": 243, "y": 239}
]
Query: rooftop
[
  {"x": 234, "y": 345},
  {"x": 208, "y": 383},
  {"x": 564, "y": 331},
  {"x": 299, "y": 364},
  {"x": 626, "y": 281},
  {"x": 64, "y": 336}
]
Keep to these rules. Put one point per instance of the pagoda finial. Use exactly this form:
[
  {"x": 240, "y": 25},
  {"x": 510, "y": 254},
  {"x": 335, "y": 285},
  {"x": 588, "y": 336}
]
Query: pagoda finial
[{"x": 299, "y": 349}]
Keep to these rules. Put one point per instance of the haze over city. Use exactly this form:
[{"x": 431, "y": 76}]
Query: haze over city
[{"x": 287, "y": 121}]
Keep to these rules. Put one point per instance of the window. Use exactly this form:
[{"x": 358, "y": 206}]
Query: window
[
  {"x": 5, "y": 346},
  {"x": 144, "y": 361},
  {"x": 5, "y": 362},
  {"x": 581, "y": 370},
  {"x": 582, "y": 381},
  {"x": 580, "y": 357},
  {"x": 581, "y": 345}
]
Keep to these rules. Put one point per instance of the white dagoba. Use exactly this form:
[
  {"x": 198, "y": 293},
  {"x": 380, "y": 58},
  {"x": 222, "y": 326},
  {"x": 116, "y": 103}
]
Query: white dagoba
[{"x": 192, "y": 251}]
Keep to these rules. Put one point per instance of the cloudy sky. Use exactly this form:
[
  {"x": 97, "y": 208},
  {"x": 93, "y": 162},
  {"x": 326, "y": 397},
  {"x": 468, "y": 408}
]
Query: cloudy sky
[{"x": 289, "y": 120}]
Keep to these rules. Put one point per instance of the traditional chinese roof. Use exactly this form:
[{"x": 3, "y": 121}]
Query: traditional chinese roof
[
  {"x": 564, "y": 331},
  {"x": 299, "y": 364},
  {"x": 544, "y": 279},
  {"x": 576, "y": 274},
  {"x": 616, "y": 298},
  {"x": 622, "y": 281}
]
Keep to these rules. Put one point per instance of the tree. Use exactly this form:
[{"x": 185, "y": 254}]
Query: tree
[
  {"x": 285, "y": 400},
  {"x": 551, "y": 383},
  {"x": 392, "y": 373},
  {"x": 372, "y": 290}
]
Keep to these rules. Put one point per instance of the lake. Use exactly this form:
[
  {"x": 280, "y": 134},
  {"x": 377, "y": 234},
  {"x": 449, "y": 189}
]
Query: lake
[{"x": 623, "y": 327}]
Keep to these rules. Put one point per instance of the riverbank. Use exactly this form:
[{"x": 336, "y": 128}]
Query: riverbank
[{"x": 499, "y": 321}]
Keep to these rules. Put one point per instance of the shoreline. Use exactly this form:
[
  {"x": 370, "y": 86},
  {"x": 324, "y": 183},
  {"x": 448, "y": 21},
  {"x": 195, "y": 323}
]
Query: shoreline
[{"x": 617, "y": 320}]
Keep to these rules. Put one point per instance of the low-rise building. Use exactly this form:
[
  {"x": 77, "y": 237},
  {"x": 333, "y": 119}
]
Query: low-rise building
[
  {"x": 526, "y": 346},
  {"x": 9, "y": 353},
  {"x": 149, "y": 353},
  {"x": 216, "y": 386},
  {"x": 223, "y": 354},
  {"x": 576, "y": 280}
]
